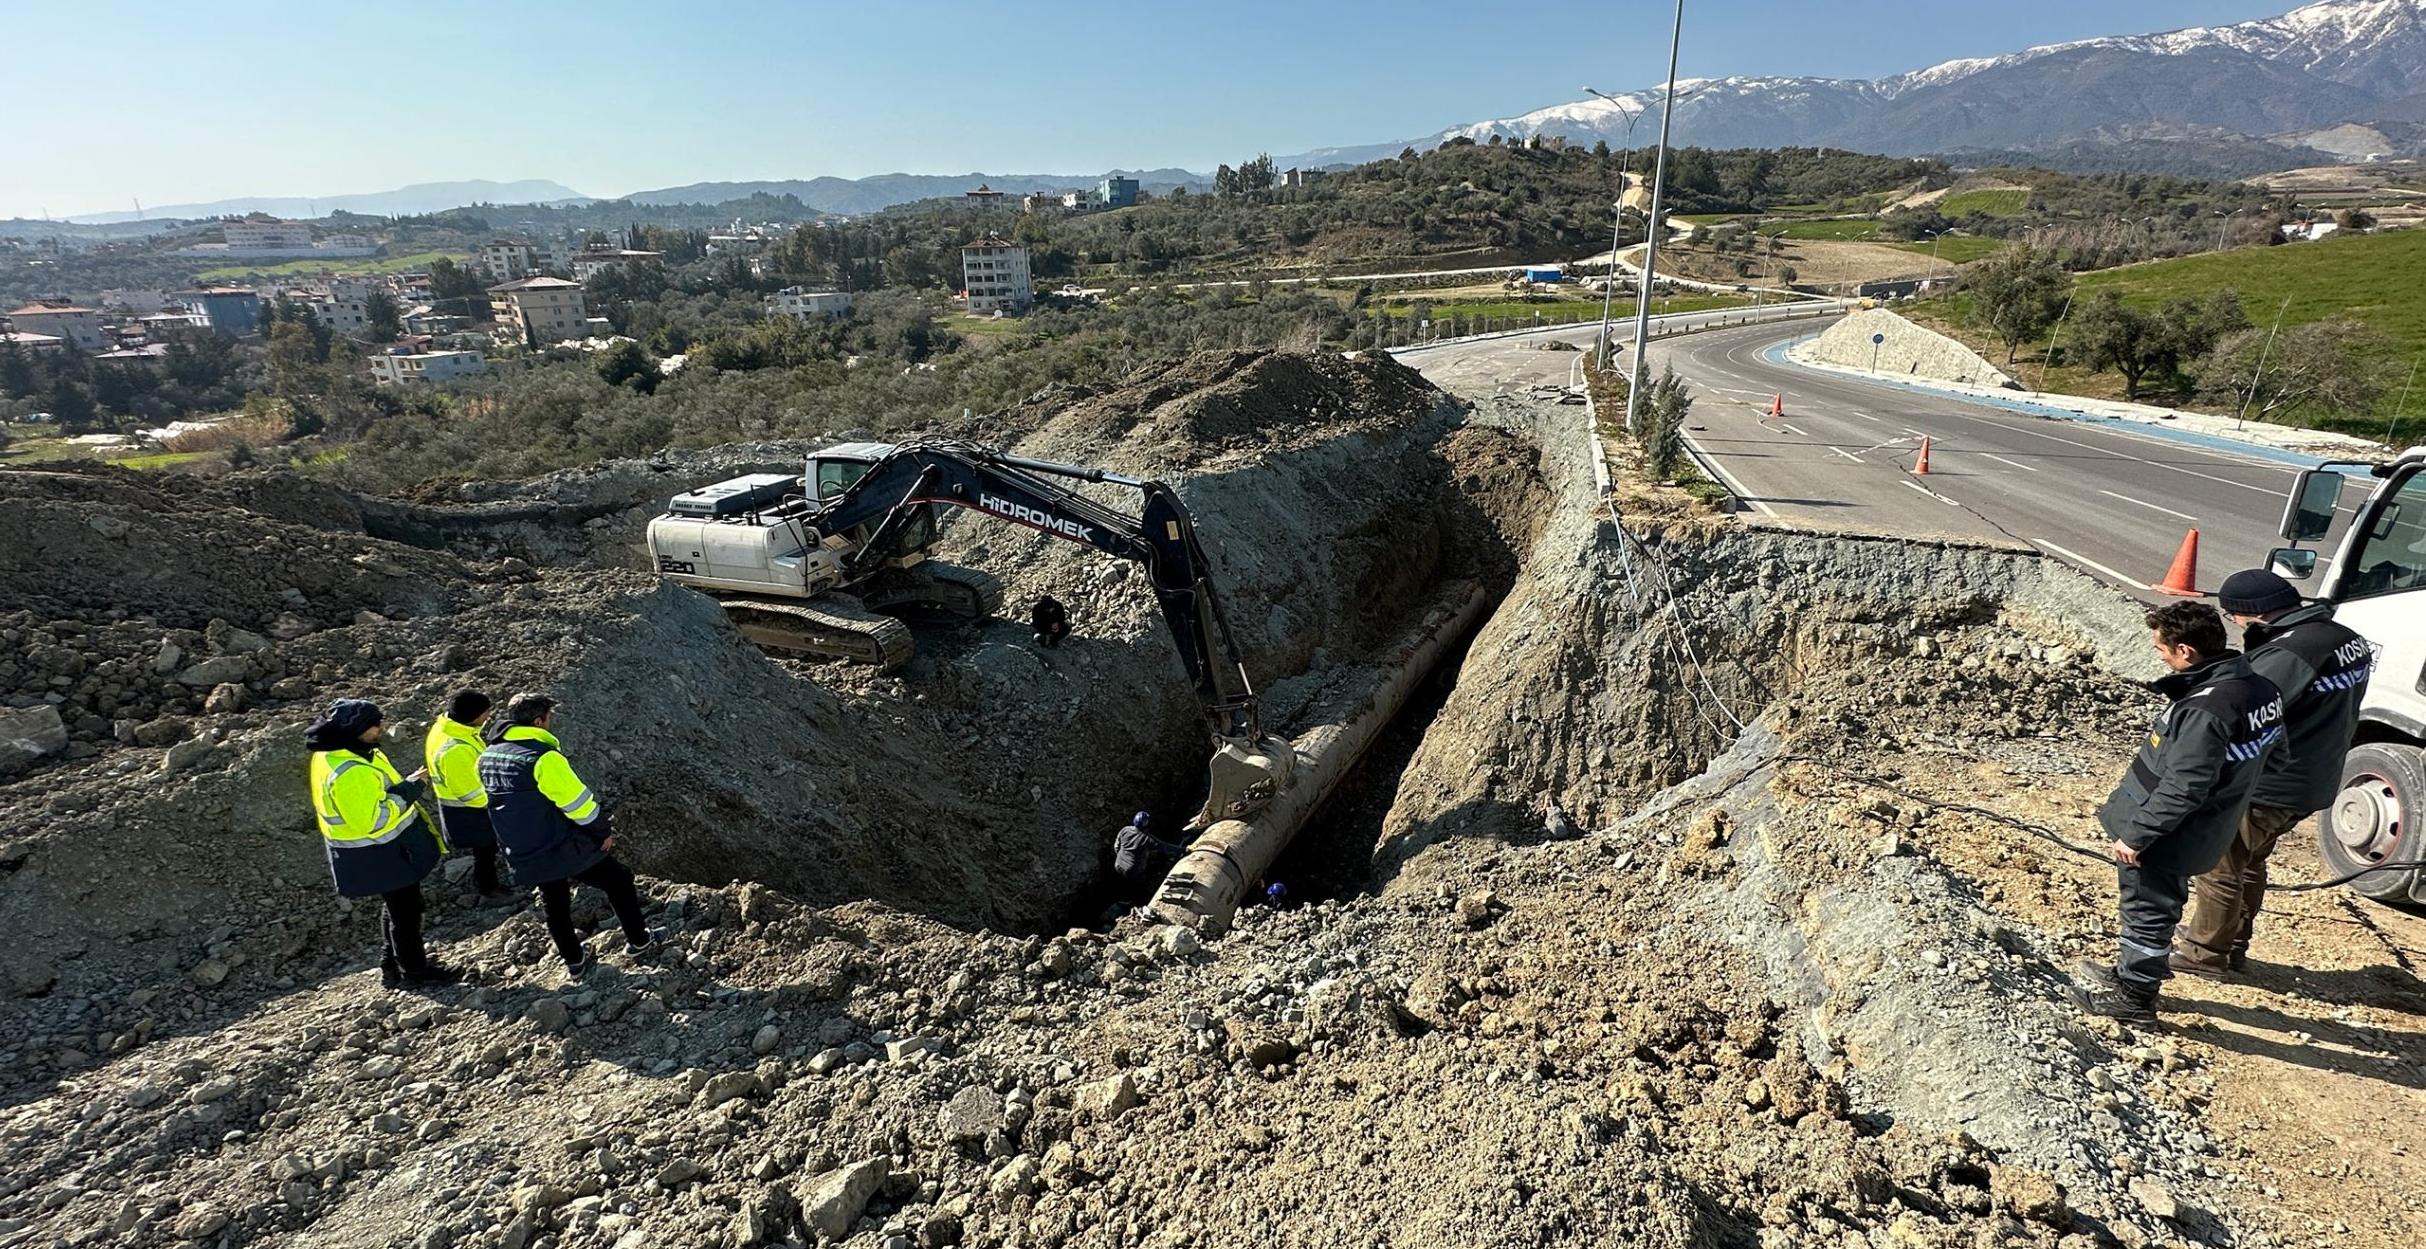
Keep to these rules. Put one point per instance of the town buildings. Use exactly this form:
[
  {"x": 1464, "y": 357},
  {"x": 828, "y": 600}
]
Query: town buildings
[
  {"x": 802, "y": 305},
  {"x": 1116, "y": 192},
  {"x": 231, "y": 310},
  {"x": 260, "y": 233},
  {"x": 543, "y": 310},
  {"x": 79, "y": 328},
  {"x": 398, "y": 367},
  {"x": 589, "y": 262},
  {"x": 994, "y": 272}
]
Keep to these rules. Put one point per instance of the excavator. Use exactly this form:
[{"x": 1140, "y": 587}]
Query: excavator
[{"x": 816, "y": 565}]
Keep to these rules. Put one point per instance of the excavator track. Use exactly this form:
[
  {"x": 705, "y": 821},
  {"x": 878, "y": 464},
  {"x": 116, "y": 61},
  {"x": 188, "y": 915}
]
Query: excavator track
[
  {"x": 833, "y": 627},
  {"x": 935, "y": 586}
]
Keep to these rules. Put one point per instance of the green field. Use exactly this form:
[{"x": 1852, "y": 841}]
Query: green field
[
  {"x": 1957, "y": 249},
  {"x": 360, "y": 264},
  {"x": 1838, "y": 230},
  {"x": 2376, "y": 278},
  {"x": 2005, "y": 203},
  {"x": 1702, "y": 219}
]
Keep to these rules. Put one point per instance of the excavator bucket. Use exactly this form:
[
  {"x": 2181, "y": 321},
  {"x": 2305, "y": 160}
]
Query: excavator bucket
[{"x": 1243, "y": 778}]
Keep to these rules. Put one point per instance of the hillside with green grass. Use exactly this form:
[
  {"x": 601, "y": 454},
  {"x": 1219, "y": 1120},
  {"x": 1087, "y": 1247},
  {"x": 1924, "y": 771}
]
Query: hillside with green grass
[{"x": 2376, "y": 278}]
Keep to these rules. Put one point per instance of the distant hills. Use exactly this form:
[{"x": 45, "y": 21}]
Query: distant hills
[
  {"x": 2341, "y": 76},
  {"x": 884, "y": 190},
  {"x": 837, "y": 195},
  {"x": 422, "y": 197}
]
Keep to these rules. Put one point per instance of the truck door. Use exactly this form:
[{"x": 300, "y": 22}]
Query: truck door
[{"x": 2381, "y": 592}]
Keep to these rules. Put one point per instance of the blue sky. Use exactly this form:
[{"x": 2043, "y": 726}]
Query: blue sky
[{"x": 190, "y": 102}]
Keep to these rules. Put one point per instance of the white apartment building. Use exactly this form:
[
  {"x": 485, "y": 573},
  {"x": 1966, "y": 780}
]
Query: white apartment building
[
  {"x": 267, "y": 234},
  {"x": 994, "y": 272},
  {"x": 547, "y": 310},
  {"x": 504, "y": 260},
  {"x": 426, "y": 366},
  {"x": 802, "y": 305},
  {"x": 345, "y": 308}
]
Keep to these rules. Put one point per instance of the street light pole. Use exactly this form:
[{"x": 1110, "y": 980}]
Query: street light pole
[
  {"x": 1617, "y": 227},
  {"x": 1659, "y": 187}
]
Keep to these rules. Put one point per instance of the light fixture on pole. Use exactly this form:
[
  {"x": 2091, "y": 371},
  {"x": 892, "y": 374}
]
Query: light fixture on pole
[{"x": 1651, "y": 228}]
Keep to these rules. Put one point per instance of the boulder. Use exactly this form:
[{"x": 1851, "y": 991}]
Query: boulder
[
  {"x": 832, "y": 1202},
  {"x": 216, "y": 670},
  {"x": 973, "y": 1114},
  {"x": 1107, "y": 1098},
  {"x": 30, "y": 734}
]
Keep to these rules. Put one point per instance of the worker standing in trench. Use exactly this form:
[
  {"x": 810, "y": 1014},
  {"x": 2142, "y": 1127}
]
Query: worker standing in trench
[
  {"x": 378, "y": 844},
  {"x": 554, "y": 830},
  {"x": 2180, "y": 803},
  {"x": 2322, "y": 669}
]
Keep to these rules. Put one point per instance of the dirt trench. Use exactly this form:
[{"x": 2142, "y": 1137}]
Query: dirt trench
[
  {"x": 1599, "y": 965},
  {"x": 978, "y": 786}
]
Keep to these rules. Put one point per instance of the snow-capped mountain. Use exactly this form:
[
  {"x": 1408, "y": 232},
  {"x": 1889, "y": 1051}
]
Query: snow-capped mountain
[{"x": 2313, "y": 68}]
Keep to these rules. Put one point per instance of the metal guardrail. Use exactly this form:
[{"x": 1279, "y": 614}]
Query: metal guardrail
[{"x": 1662, "y": 326}]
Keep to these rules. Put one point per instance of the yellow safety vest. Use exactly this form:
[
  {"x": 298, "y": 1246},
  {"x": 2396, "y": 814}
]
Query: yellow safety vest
[
  {"x": 452, "y": 752},
  {"x": 350, "y": 795}
]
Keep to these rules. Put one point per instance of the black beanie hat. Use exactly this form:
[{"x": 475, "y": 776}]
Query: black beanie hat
[{"x": 2256, "y": 592}]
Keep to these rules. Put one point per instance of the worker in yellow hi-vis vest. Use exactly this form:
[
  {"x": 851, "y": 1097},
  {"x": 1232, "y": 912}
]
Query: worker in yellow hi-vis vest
[
  {"x": 452, "y": 753},
  {"x": 378, "y": 844}
]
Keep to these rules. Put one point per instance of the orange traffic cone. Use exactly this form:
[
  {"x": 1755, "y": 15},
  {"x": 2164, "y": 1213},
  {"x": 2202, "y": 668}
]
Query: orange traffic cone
[
  {"x": 2182, "y": 579},
  {"x": 1777, "y": 406},
  {"x": 1921, "y": 465}
]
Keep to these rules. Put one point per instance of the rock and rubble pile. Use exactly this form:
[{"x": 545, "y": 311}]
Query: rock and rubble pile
[{"x": 1623, "y": 972}]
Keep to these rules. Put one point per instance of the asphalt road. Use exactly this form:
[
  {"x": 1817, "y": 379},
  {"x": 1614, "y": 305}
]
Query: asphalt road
[{"x": 2111, "y": 501}]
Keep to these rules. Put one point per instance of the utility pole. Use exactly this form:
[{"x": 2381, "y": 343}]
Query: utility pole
[
  {"x": 2057, "y": 336},
  {"x": 2263, "y": 354},
  {"x": 1659, "y": 187},
  {"x": 2398, "y": 408}
]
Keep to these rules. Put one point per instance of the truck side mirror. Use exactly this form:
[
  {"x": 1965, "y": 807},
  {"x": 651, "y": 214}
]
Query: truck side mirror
[
  {"x": 2292, "y": 563},
  {"x": 2308, "y": 515}
]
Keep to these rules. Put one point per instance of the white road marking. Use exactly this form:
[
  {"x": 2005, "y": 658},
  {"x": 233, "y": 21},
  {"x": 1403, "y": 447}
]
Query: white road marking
[
  {"x": 2090, "y": 564},
  {"x": 1872, "y": 419},
  {"x": 1931, "y": 493},
  {"x": 2150, "y": 506},
  {"x": 1847, "y": 454},
  {"x": 2016, "y": 463},
  {"x": 1728, "y": 480},
  {"x": 1792, "y": 430}
]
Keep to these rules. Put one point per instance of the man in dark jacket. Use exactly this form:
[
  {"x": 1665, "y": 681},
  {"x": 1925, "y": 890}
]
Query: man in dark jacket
[
  {"x": 378, "y": 844},
  {"x": 2180, "y": 803},
  {"x": 553, "y": 829},
  {"x": 1050, "y": 621},
  {"x": 2322, "y": 669},
  {"x": 1140, "y": 859}
]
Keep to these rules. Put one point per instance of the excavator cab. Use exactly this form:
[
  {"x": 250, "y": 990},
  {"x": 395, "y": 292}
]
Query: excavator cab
[{"x": 837, "y": 468}]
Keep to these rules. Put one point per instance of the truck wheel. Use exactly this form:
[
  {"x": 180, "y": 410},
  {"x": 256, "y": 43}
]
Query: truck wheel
[{"x": 2379, "y": 817}]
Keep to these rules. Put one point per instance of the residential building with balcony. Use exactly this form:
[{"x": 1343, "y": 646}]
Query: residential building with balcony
[
  {"x": 545, "y": 310},
  {"x": 400, "y": 367},
  {"x": 994, "y": 273}
]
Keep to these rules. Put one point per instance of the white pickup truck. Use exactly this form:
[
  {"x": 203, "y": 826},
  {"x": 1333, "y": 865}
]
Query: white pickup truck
[{"x": 2377, "y": 583}]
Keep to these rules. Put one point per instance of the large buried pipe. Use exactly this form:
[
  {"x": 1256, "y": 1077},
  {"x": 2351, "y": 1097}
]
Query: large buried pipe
[{"x": 1205, "y": 887}]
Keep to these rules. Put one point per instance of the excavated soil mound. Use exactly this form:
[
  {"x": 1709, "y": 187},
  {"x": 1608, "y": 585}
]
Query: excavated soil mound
[{"x": 979, "y": 785}]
